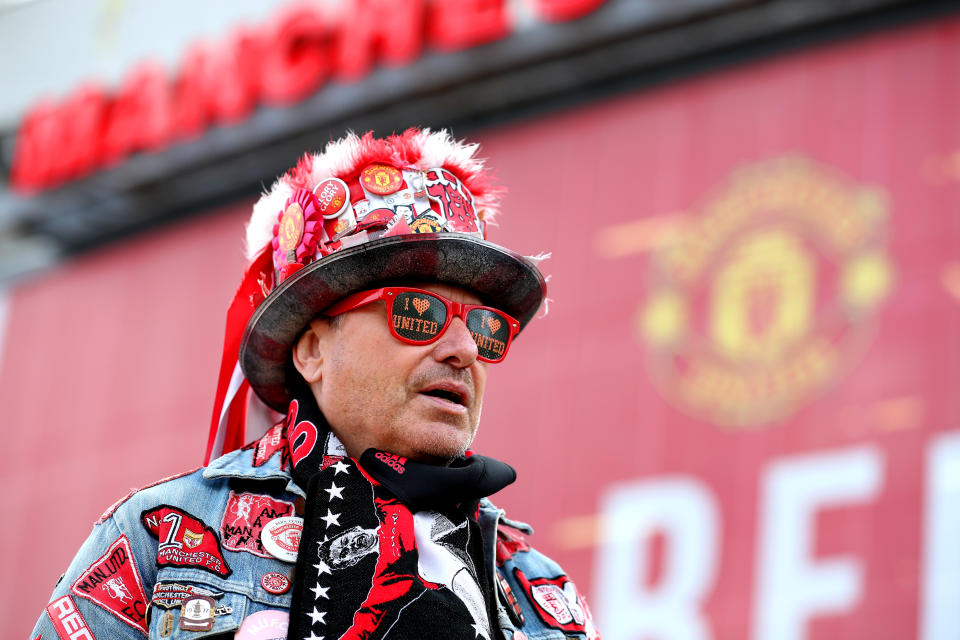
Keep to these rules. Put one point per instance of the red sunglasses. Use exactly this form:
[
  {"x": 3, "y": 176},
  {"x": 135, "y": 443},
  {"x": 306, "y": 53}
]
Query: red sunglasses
[{"x": 416, "y": 316}]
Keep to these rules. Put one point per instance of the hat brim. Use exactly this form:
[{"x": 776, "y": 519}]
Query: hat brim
[{"x": 500, "y": 277}]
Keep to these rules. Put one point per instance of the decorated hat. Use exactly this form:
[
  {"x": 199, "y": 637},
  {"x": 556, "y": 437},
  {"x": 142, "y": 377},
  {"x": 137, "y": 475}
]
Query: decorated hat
[{"x": 366, "y": 212}]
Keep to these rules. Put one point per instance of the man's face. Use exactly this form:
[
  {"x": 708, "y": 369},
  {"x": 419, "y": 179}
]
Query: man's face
[{"x": 418, "y": 401}]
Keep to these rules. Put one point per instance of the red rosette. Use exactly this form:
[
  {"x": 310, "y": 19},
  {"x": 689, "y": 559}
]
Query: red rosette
[{"x": 298, "y": 229}]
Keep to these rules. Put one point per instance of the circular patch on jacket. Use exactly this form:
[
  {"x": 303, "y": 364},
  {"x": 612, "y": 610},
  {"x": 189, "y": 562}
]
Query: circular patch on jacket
[
  {"x": 275, "y": 583},
  {"x": 264, "y": 625},
  {"x": 281, "y": 537}
]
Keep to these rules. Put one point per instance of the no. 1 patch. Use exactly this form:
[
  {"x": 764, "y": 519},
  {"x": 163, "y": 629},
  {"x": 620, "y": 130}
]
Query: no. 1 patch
[
  {"x": 185, "y": 541},
  {"x": 114, "y": 583}
]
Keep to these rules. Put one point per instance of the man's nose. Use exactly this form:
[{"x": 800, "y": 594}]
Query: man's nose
[{"x": 456, "y": 346}]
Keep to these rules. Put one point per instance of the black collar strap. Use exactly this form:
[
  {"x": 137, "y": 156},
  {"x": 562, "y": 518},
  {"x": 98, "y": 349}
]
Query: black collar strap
[{"x": 426, "y": 486}]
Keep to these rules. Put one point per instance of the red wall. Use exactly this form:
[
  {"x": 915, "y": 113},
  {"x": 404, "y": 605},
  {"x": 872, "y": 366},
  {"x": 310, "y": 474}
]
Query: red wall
[{"x": 737, "y": 419}]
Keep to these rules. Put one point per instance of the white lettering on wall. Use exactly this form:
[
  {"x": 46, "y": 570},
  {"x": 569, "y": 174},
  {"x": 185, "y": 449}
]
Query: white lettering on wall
[
  {"x": 940, "y": 586},
  {"x": 685, "y": 511},
  {"x": 791, "y": 587}
]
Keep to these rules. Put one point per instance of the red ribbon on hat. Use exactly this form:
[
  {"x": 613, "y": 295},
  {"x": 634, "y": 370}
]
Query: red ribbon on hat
[{"x": 228, "y": 423}]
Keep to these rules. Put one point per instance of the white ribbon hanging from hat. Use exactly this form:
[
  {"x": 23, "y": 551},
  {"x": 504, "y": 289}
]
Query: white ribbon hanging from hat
[{"x": 228, "y": 424}]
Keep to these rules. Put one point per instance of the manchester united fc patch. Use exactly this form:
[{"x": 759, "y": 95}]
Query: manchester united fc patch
[{"x": 185, "y": 541}]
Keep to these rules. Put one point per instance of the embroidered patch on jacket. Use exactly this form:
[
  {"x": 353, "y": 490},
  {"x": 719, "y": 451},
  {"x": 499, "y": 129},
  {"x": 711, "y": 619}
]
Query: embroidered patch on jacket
[
  {"x": 114, "y": 583},
  {"x": 172, "y": 594},
  {"x": 509, "y": 543},
  {"x": 558, "y": 603},
  {"x": 67, "y": 620},
  {"x": 244, "y": 519},
  {"x": 272, "y": 441},
  {"x": 185, "y": 541}
]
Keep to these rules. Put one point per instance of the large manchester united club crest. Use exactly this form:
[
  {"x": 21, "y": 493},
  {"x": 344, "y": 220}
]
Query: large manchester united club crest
[{"x": 768, "y": 294}]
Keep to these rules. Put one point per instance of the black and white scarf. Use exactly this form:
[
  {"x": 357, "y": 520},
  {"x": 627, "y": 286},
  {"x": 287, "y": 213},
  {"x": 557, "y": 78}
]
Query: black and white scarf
[{"x": 390, "y": 547}]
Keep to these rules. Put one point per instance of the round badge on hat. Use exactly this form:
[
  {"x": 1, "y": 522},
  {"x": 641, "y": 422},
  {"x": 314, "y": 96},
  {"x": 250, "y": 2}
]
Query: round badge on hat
[
  {"x": 264, "y": 625},
  {"x": 381, "y": 179},
  {"x": 281, "y": 537},
  {"x": 333, "y": 196}
]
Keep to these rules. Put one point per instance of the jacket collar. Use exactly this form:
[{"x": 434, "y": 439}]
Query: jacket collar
[{"x": 239, "y": 464}]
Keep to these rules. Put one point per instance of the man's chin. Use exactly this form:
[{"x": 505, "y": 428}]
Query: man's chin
[{"x": 437, "y": 447}]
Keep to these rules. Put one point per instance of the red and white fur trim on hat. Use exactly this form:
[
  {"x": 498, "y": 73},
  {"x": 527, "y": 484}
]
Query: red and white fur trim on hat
[{"x": 346, "y": 158}]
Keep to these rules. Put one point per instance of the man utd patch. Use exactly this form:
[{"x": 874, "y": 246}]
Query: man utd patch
[
  {"x": 244, "y": 519},
  {"x": 68, "y": 621},
  {"x": 185, "y": 541},
  {"x": 114, "y": 583},
  {"x": 558, "y": 603}
]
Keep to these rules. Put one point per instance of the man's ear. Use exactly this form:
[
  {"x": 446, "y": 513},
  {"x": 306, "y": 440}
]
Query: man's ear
[{"x": 308, "y": 352}]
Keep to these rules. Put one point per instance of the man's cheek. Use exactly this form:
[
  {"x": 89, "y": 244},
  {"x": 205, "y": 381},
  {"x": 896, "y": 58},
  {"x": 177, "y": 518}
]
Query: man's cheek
[{"x": 477, "y": 411}]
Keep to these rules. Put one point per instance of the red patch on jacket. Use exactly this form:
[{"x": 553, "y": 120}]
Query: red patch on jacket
[
  {"x": 114, "y": 583},
  {"x": 244, "y": 519},
  {"x": 67, "y": 620},
  {"x": 509, "y": 543},
  {"x": 558, "y": 603},
  {"x": 185, "y": 541},
  {"x": 272, "y": 441}
]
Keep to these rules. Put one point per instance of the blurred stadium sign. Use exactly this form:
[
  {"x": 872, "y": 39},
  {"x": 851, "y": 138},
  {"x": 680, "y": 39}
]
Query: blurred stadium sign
[{"x": 174, "y": 135}]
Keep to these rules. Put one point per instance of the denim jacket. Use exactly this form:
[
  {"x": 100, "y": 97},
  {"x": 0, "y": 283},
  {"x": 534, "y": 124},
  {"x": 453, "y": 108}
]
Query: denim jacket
[{"x": 195, "y": 536}]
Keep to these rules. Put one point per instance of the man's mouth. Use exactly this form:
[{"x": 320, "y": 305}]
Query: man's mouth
[{"x": 448, "y": 393}]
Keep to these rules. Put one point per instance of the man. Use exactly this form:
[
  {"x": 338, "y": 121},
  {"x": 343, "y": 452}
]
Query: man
[{"x": 368, "y": 318}]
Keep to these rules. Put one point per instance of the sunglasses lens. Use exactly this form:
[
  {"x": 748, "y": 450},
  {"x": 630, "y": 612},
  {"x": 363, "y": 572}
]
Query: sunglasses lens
[
  {"x": 417, "y": 316},
  {"x": 491, "y": 332}
]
